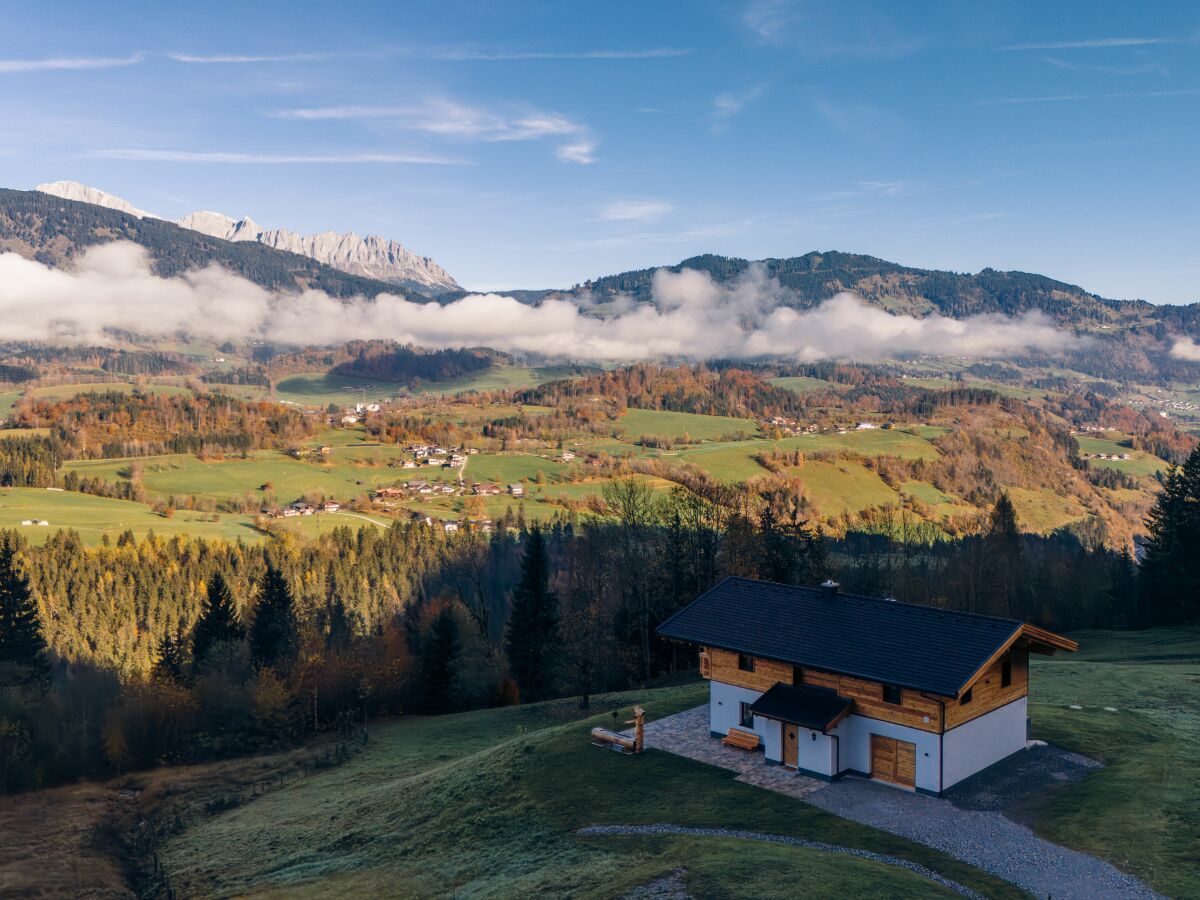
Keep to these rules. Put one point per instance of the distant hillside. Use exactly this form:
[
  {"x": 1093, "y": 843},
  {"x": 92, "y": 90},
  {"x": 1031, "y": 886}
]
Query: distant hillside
[
  {"x": 815, "y": 277},
  {"x": 53, "y": 230}
]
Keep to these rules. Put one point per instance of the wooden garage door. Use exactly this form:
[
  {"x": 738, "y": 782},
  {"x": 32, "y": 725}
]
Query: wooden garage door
[{"x": 893, "y": 760}]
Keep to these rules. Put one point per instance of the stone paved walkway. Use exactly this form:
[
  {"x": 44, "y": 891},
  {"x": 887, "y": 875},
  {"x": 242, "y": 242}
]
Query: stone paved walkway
[
  {"x": 983, "y": 838},
  {"x": 686, "y": 734}
]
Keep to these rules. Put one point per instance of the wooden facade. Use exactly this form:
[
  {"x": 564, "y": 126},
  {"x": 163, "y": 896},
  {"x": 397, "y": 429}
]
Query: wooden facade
[
  {"x": 989, "y": 692},
  {"x": 915, "y": 709}
]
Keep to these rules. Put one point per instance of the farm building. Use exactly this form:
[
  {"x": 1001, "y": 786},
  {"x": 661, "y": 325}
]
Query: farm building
[{"x": 831, "y": 684}]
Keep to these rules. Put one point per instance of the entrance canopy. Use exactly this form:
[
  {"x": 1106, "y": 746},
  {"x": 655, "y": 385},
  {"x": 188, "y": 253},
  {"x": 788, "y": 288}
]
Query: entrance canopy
[{"x": 803, "y": 705}]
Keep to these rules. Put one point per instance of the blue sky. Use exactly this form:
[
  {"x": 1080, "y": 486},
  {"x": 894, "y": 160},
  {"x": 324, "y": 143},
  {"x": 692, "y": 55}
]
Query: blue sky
[{"x": 537, "y": 144}]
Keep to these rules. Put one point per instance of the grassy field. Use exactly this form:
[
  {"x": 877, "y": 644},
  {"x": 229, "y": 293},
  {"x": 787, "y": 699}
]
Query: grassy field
[
  {"x": 321, "y": 389},
  {"x": 1140, "y": 463},
  {"x": 844, "y": 486},
  {"x": 662, "y": 423},
  {"x": 872, "y": 442},
  {"x": 802, "y": 384},
  {"x": 348, "y": 474},
  {"x": 1142, "y": 811},
  {"x": 497, "y": 378},
  {"x": 506, "y": 468},
  {"x": 8, "y": 402},
  {"x": 1044, "y": 511},
  {"x": 94, "y": 517},
  {"x": 487, "y": 803}
]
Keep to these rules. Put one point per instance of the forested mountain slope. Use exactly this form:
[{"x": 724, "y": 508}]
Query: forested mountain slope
[{"x": 814, "y": 277}]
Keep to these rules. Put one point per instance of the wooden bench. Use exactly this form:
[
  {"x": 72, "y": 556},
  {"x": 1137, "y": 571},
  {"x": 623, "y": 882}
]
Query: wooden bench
[{"x": 742, "y": 740}]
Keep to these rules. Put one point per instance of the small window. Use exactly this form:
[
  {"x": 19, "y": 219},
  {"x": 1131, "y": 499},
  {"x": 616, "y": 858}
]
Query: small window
[
  {"x": 1006, "y": 673},
  {"x": 797, "y": 676},
  {"x": 967, "y": 697},
  {"x": 893, "y": 693},
  {"x": 745, "y": 662},
  {"x": 747, "y": 720}
]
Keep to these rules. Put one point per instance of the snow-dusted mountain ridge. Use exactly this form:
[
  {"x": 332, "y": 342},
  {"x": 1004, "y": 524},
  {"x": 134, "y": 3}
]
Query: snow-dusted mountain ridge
[{"x": 370, "y": 257}]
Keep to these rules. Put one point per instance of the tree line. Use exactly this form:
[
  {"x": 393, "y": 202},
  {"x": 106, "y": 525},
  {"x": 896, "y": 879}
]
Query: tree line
[{"x": 139, "y": 653}]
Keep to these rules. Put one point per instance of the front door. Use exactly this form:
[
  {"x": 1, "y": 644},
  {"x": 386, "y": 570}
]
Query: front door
[
  {"x": 893, "y": 760},
  {"x": 791, "y": 750}
]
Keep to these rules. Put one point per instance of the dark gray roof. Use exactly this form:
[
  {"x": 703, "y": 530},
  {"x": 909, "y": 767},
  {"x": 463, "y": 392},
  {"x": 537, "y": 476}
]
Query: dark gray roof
[
  {"x": 811, "y": 707},
  {"x": 918, "y": 647}
]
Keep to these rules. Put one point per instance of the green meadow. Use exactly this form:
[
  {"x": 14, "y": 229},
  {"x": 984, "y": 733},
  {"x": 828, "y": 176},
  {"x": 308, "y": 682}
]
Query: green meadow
[
  {"x": 663, "y": 423},
  {"x": 343, "y": 475},
  {"x": 93, "y": 517},
  {"x": 1138, "y": 692},
  {"x": 487, "y": 803}
]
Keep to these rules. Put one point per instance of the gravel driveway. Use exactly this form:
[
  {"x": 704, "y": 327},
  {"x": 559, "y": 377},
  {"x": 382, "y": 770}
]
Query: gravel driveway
[
  {"x": 970, "y": 825},
  {"x": 985, "y": 839}
]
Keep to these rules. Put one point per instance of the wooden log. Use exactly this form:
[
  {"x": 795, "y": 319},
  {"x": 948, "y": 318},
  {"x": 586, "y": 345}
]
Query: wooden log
[{"x": 604, "y": 736}]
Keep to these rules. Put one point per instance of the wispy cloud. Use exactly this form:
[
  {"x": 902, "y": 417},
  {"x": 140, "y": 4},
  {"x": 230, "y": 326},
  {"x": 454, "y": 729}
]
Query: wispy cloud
[
  {"x": 1091, "y": 43},
  {"x": 472, "y": 54},
  {"x": 835, "y": 31},
  {"x": 454, "y": 53},
  {"x": 459, "y": 121},
  {"x": 768, "y": 20},
  {"x": 869, "y": 188},
  {"x": 194, "y": 156},
  {"x": 634, "y": 210},
  {"x": 581, "y": 152},
  {"x": 1146, "y": 69},
  {"x": 68, "y": 63},
  {"x": 729, "y": 104},
  {"x": 861, "y": 122},
  {"x": 238, "y": 59},
  {"x": 1073, "y": 98}
]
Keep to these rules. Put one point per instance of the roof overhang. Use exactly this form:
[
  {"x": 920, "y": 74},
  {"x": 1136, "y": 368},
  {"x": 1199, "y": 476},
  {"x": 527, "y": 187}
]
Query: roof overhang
[{"x": 1037, "y": 640}]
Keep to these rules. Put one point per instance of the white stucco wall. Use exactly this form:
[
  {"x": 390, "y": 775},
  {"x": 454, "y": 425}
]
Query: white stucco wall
[
  {"x": 854, "y": 733},
  {"x": 983, "y": 741},
  {"x": 814, "y": 751},
  {"x": 724, "y": 712}
]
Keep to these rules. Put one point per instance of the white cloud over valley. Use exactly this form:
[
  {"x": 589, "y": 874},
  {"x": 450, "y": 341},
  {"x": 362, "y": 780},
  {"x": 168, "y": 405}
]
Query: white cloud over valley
[{"x": 113, "y": 287}]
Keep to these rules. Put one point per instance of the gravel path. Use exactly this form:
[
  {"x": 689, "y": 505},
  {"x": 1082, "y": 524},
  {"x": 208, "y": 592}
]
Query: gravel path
[
  {"x": 790, "y": 841},
  {"x": 985, "y": 839}
]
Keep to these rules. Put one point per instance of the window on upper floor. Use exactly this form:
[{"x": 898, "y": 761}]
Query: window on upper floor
[
  {"x": 893, "y": 693},
  {"x": 1006, "y": 673},
  {"x": 745, "y": 662},
  {"x": 797, "y": 676},
  {"x": 967, "y": 697}
]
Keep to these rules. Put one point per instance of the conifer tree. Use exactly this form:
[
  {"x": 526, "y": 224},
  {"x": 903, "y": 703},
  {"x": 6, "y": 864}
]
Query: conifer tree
[
  {"x": 23, "y": 658},
  {"x": 171, "y": 662},
  {"x": 530, "y": 636},
  {"x": 439, "y": 663},
  {"x": 218, "y": 622},
  {"x": 274, "y": 639},
  {"x": 1003, "y": 549},
  {"x": 1170, "y": 575}
]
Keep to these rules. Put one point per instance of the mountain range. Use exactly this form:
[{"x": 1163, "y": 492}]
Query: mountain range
[
  {"x": 1131, "y": 340},
  {"x": 377, "y": 258}
]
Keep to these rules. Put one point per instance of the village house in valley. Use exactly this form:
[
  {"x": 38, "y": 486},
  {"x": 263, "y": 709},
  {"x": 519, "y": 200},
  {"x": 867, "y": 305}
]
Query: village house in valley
[{"x": 830, "y": 684}]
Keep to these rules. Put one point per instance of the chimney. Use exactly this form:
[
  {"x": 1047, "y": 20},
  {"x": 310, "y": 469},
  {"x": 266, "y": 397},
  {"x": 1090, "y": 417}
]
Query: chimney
[{"x": 829, "y": 590}]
